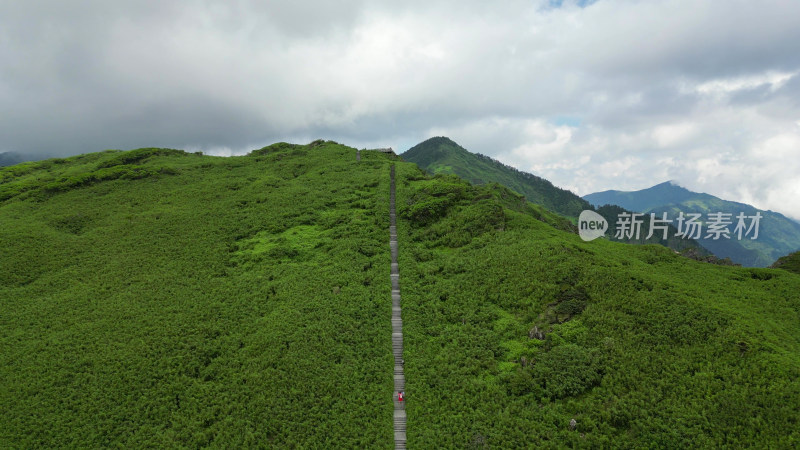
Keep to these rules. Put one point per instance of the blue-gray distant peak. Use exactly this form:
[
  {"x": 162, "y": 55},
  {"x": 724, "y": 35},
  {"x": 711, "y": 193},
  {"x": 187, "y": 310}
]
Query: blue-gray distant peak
[
  {"x": 778, "y": 234},
  {"x": 645, "y": 199}
]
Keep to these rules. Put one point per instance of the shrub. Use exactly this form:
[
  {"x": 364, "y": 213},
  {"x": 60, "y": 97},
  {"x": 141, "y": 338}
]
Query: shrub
[{"x": 566, "y": 370}]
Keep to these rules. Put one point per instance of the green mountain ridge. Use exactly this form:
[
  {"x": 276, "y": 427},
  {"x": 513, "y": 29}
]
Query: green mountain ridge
[
  {"x": 778, "y": 235},
  {"x": 440, "y": 155},
  {"x": 790, "y": 262},
  {"x": 157, "y": 298}
]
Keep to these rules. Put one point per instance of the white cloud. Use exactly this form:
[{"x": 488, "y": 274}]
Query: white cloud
[
  {"x": 543, "y": 140},
  {"x": 731, "y": 84},
  {"x": 672, "y": 134}
]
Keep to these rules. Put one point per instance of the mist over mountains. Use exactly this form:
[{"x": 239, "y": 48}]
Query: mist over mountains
[{"x": 11, "y": 158}]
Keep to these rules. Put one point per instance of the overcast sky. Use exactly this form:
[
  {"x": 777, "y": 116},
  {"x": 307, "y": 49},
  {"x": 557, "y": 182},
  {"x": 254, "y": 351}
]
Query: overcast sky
[{"x": 597, "y": 95}]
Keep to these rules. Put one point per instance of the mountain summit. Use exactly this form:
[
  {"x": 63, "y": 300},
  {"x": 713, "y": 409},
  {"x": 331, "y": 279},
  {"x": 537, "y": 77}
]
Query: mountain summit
[
  {"x": 442, "y": 155},
  {"x": 646, "y": 199}
]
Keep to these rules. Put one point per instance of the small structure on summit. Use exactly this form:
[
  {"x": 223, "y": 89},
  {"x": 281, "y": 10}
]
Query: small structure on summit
[
  {"x": 383, "y": 150},
  {"x": 389, "y": 151}
]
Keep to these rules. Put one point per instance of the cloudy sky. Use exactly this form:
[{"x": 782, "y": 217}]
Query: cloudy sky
[{"x": 592, "y": 95}]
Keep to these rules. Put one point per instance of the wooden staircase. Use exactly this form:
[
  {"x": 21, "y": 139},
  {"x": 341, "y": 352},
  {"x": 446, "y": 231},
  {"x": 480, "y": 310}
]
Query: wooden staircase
[{"x": 397, "y": 327}]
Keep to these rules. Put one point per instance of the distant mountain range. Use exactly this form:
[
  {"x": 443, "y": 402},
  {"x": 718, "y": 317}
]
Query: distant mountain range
[
  {"x": 441, "y": 155},
  {"x": 10, "y": 158},
  {"x": 778, "y": 235}
]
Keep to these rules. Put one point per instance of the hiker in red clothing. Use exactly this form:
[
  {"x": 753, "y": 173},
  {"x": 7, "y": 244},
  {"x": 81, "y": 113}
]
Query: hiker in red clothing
[{"x": 400, "y": 396}]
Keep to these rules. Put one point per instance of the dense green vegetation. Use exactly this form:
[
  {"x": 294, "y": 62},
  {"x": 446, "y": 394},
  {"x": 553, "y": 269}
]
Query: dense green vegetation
[
  {"x": 519, "y": 329},
  {"x": 778, "y": 235},
  {"x": 157, "y": 298}
]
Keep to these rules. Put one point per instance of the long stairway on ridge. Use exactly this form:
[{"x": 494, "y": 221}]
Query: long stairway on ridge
[{"x": 397, "y": 328}]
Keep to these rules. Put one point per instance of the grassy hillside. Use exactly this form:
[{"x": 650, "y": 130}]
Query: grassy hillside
[
  {"x": 158, "y": 298},
  {"x": 520, "y": 329},
  {"x": 778, "y": 235}
]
